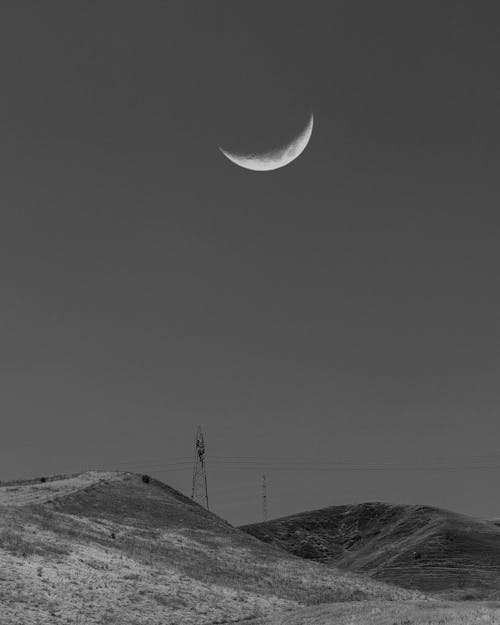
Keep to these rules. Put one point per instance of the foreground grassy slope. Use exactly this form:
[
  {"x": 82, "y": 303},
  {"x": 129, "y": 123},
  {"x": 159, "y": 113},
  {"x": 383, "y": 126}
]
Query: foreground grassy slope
[
  {"x": 412, "y": 546},
  {"x": 389, "y": 613},
  {"x": 110, "y": 548}
]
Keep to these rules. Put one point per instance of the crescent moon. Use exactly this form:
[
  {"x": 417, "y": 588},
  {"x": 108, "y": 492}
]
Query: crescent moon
[{"x": 274, "y": 159}]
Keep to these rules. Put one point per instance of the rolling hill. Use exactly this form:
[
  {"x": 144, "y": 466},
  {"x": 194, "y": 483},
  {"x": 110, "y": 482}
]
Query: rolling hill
[
  {"x": 116, "y": 548},
  {"x": 418, "y": 547}
]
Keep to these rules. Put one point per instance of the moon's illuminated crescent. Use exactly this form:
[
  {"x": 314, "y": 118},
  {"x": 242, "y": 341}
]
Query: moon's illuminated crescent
[{"x": 274, "y": 159}]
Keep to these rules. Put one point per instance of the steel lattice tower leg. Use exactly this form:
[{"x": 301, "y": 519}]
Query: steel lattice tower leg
[{"x": 199, "y": 491}]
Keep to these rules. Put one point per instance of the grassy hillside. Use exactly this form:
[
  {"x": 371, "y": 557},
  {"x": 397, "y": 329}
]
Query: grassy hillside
[
  {"x": 110, "y": 548},
  {"x": 389, "y": 613},
  {"x": 412, "y": 546}
]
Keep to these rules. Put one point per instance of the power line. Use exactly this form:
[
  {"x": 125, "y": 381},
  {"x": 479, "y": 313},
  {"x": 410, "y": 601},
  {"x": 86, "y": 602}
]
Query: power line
[
  {"x": 484, "y": 462},
  {"x": 312, "y": 467}
]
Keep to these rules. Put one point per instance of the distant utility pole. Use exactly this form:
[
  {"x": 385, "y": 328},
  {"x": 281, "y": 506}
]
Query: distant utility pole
[
  {"x": 264, "y": 497},
  {"x": 199, "y": 491}
]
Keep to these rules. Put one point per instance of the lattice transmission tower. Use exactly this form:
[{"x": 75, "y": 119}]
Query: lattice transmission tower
[
  {"x": 264, "y": 497},
  {"x": 199, "y": 491}
]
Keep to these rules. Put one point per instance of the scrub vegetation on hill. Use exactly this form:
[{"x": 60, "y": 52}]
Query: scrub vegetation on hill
[{"x": 389, "y": 613}]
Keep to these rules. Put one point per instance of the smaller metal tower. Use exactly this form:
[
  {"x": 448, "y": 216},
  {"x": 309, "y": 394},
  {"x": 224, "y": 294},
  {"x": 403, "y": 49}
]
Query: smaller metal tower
[
  {"x": 199, "y": 491},
  {"x": 264, "y": 497}
]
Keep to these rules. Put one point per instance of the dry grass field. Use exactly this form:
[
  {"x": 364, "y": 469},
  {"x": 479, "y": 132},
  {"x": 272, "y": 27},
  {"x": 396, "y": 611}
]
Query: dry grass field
[
  {"x": 110, "y": 548},
  {"x": 389, "y": 613},
  {"x": 436, "y": 551}
]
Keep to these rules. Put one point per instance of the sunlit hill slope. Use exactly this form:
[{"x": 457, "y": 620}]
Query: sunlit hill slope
[
  {"x": 389, "y": 613},
  {"x": 113, "y": 548}
]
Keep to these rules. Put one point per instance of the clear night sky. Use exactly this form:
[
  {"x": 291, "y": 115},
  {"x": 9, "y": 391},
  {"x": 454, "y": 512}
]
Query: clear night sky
[{"x": 345, "y": 308}]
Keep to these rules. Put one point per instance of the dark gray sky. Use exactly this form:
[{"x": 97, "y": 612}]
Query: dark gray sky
[{"x": 342, "y": 309}]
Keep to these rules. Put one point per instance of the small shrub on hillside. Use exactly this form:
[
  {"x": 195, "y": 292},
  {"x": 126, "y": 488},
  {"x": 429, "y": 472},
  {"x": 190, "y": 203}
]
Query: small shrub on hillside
[
  {"x": 14, "y": 543},
  {"x": 146, "y": 479}
]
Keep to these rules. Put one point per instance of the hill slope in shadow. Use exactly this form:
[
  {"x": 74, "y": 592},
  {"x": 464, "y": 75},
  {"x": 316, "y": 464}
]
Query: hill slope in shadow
[
  {"x": 111, "y": 548},
  {"x": 418, "y": 547}
]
